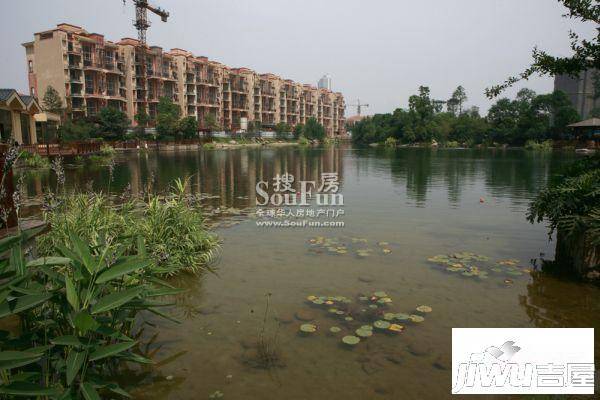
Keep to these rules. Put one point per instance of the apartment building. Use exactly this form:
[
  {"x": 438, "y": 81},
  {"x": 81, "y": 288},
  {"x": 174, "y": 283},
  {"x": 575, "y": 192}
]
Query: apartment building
[
  {"x": 581, "y": 90},
  {"x": 90, "y": 72}
]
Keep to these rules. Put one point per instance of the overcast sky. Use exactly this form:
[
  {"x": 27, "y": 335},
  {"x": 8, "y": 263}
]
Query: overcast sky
[{"x": 377, "y": 50}]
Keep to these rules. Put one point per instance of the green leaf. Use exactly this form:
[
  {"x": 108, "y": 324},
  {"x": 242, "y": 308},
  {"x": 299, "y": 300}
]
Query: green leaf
[
  {"x": 164, "y": 315},
  {"x": 16, "y": 260},
  {"x": 22, "y": 303},
  {"x": 124, "y": 267},
  {"x": 72, "y": 296},
  {"x": 67, "y": 340},
  {"x": 8, "y": 242},
  {"x": 83, "y": 252},
  {"x": 160, "y": 282},
  {"x": 136, "y": 358},
  {"x": 28, "y": 389},
  {"x": 3, "y": 295},
  {"x": 15, "y": 359},
  {"x": 141, "y": 246},
  {"x": 116, "y": 299},
  {"x": 85, "y": 322},
  {"x": 75, "y": 360},
  {"x": 111, "y": 350},
  {"x": 88, "y": 391},
  {"x": 113, "y": 387},
  {"x": 50, "y": 261}
]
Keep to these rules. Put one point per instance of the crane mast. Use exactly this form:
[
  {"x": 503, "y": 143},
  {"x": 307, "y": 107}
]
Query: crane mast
[
  {"x": 358, "y": 106},
  {"x": 142, "y": 24}
]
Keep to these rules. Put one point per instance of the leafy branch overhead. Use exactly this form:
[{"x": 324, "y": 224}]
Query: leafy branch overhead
[{"x": 585, "y": 53}]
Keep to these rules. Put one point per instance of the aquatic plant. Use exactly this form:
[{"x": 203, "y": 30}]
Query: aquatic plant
[
  {"x": 351, "y": 340},
  {"x": 77, "y": 310},
  {"x": 172, "y": 229},
  {"x": 35, "y": 160}
]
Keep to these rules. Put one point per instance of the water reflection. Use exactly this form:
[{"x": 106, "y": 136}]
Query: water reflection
[{"x": 230, "y": 176}]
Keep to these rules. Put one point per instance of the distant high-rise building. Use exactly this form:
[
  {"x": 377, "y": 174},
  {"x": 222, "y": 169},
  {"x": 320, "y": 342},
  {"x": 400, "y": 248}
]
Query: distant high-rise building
[
  {"x": 325, "y": 82},
  {"x": 581, "y": 91}
]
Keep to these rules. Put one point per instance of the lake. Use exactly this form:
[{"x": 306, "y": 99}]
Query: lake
[{"x": 401, "y": 208}]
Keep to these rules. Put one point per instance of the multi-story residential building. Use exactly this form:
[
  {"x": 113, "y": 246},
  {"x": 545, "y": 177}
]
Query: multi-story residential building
[
  {"x": 582, "y": 90},
  {"x": 90, "y": 72}
]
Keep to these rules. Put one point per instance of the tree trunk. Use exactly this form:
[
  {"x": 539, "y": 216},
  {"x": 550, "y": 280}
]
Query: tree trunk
[{"x": 578, "y": 256}]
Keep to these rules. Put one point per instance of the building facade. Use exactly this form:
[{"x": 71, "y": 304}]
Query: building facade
[
  {"x": 581, "y": 91},
  {"x": 90, "y": 73},
  {"x": 17, "y": 117}
]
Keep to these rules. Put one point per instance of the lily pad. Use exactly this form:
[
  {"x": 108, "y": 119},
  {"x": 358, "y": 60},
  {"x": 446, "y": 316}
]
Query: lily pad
[
  {"x": 308, "y": 328},
  {"x": 417, "y": 318},
  {"x": 396, "y": 328},
  {"x": 386, "y": 251},
  {"x": 349, "y": 319},
  {"x": 384, "y": 300},
  {"x": 318, "y": 302},
  {"x": 368, "y": 327},
  {"x": 364, "y": 333},
  {"x": 351, "y": 340},
  {"x": 380, "y": 324},
  {"x": 380, "y": 294},
  {"x": 402, "y": 317},
  {"x": 373, "y": 306},
  {"x": 389, "y": 316},
  {"x": 424, "y": 309},
  {"x": 335, "y": 329}
]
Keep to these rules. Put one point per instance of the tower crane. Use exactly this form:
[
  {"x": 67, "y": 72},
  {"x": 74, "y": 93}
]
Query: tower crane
[
  {"x": 358, "y": 106},
  {"x": 142, "y": 24}
]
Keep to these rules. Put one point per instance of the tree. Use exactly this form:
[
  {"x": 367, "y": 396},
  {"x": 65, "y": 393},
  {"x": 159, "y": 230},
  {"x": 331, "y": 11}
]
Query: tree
[
  {"x": 113, "y": 123},
  {"x": 585, "y": 53},
  {"x": 142, "y": 119},
  {"x": 313, "y": 129},
  {"x": 52, "y": 101},
  {"x": 459, "y": 97},
  {"x": 76, "y": 130},
  {"x": 298, "y": 131},
  {"x": 167, "y": 117},
  {"x": 452, "y": 106},
  {"x": 210, "y": 123},
  {"x": 188, "y": 127},
  {"x": 282, "y": 130}
]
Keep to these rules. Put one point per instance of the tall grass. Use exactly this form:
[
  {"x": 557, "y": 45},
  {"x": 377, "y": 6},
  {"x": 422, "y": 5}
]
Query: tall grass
[{"x": 171, "y": 227}]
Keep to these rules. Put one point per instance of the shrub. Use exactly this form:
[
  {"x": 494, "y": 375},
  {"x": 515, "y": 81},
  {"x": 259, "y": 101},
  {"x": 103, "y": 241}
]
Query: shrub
[
  {"x": 78, "y": 311},
  {"x": 391, "y": 142},
  {"x": 172, "y": 227},
  {"x": 107, "y": 151},
  {"x": 452, "y": 144},
  {"x": 543, "y": 146},
  {"x": 303, "y": 141},
  {"x": 35, "y": 160}
]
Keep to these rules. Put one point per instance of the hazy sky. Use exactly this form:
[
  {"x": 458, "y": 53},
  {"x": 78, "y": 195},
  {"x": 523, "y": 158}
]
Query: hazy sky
[{"x": 378, "y": 50}]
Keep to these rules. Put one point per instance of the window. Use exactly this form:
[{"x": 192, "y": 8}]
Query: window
[{"x": 30, "y": 66}]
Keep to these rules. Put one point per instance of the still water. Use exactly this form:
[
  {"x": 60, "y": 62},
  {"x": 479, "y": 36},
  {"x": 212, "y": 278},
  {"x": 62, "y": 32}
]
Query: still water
[{"x": 416, "y": 203}]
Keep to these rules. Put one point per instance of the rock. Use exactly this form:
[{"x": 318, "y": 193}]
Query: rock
[
  {"x": 419, "y": 350},
  {"x": 305, "y": 315},
  {"x": 232, "y": 142}
]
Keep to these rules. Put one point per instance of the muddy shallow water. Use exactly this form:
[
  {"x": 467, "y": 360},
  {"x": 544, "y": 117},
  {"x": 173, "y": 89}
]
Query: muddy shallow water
[{"x": 420, "y": 202}]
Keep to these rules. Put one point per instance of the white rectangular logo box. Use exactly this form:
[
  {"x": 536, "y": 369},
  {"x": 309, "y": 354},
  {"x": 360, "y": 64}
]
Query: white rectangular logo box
[{"x": 523, "y": 361}]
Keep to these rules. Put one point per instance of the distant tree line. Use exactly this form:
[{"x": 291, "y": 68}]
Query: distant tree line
[{"x": 527, "y": 117}]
